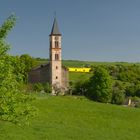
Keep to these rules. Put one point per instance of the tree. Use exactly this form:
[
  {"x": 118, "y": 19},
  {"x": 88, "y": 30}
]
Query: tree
[
  {"x": 118, "y": 95},
  {"x": 4, "y": 30},
  {"x": 28, "y": 63},
  {"x": 133, "y": 90},
  {"x": 100, "y": 86},
  {"x": 14, "y": 106}
]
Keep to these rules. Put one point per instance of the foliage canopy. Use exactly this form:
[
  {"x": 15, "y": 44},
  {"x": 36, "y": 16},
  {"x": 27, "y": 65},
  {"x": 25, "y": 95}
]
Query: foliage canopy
[
  {"x": 14, "y": 105},
  {"x": 100, "y": 86}
]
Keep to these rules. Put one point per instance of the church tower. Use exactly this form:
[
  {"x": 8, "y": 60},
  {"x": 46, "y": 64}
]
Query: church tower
[
  {"x": 53, "y": 72},
  {"x": 55, "y": 57}
]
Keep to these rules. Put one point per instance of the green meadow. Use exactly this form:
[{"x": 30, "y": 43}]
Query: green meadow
[
  {"x": 77, "y": 63},
  {"x": 76, "y": 118},
  {"x": 77, "y": 76}
]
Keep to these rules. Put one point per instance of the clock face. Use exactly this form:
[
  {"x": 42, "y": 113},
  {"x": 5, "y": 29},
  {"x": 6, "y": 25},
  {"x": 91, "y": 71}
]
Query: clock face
[{"x": 56, "y": 37}]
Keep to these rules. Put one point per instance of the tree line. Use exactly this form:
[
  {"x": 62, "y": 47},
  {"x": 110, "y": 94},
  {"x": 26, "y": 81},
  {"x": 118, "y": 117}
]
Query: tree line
[{"x": 111, "y": 84}]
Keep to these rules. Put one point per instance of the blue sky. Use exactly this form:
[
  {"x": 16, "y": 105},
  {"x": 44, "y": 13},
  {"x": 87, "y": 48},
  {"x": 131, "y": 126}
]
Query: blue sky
[{"x": 95, "y": 30}]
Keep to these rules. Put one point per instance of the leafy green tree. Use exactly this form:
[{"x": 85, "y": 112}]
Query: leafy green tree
[
  {"x": 129, "y": 73},
  {"x": 133, "y": 89},
  {"x": 28, "y": 63},
  {"x": 19, "y": 68},
  {"x": 100, "y": 86},
  {"x": 14, "y": 106},
  {"x": 4, "y": 30},
  {"x": 118, "y": 95}
]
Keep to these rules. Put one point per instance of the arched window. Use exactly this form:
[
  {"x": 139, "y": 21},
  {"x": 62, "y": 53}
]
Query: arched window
[
  {"x": 56, "y": 44},
  {"x": 56, "y": 77},
  {"x": 56, "y": 56}
]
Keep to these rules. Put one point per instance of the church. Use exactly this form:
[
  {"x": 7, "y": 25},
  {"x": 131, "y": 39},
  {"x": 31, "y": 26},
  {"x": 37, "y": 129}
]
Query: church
[{"x": 53, "y": 72}]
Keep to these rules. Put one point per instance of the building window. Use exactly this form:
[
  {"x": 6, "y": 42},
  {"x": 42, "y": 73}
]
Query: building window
[
  {"x": 56, "y": 44},
  {"x": 56, "y": 67},
  {"x": 56, "y": 37},
  {"x": 56, "y": 77},
  {"x": 56, "y": 57}
]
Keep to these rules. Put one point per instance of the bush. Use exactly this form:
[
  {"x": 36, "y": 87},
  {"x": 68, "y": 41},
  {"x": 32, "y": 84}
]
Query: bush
[
  {"x": 136, "y": 101},
  {"x": 45, "y": 87},
  {"x": 38, "y": 87},
  {"x": 137, "y": 104},
  {"x": 80, "y": 88}
]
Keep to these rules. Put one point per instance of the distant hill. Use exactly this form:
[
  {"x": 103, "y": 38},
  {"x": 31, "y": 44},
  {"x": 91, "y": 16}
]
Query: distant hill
[
  {"x": 78, "y": 63},
  {"x": 75, "y": 77}
]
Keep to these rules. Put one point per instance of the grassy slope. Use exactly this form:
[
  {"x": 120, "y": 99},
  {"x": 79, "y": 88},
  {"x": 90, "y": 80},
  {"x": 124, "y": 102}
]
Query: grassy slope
[
  {"x": 72, "y": 118},
  {"x": 77, "y": 76}
]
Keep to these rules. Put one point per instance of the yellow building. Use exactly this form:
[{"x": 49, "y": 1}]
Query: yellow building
[{"x": 79, "y": 69}]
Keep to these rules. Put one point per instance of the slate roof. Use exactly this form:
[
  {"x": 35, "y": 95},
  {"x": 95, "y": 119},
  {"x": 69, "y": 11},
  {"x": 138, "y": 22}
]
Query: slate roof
[{"x": 55, "y": 29}]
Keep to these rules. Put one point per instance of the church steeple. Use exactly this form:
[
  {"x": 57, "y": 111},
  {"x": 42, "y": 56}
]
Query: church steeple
[
  {"x": 55, "y": 29},
  {"x": 55, "y": 57}
]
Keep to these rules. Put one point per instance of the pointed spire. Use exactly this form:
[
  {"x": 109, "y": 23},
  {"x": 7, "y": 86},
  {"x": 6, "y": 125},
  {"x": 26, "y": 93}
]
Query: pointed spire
[{"x": 55, "y": 29}]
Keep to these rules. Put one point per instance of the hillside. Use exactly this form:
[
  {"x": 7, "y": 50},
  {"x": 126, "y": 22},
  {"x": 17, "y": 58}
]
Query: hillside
[
  {"x": 74, "y": 77},
  {"x": 76, "y": 118},
  {"x": 79, "y": 63}
]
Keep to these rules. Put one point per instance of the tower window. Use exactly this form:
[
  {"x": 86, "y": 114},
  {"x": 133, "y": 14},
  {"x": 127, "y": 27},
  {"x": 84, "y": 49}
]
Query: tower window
[
  {"x": 56, "y": 67},
  {"x": 56, "y": 37},
  {"x": 56, "y": 57},
  {"x": 56, "y": 44},
  {"x": 56, "y": 77}
]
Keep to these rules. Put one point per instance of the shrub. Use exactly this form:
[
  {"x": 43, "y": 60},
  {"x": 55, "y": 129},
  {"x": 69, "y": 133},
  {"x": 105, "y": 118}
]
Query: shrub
[
  {"x": 136, "y": 101},
  {"x": 47, "y": 87},
  {"x": 38, "y": 87},
  {"x": 80, "y": 88}
]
